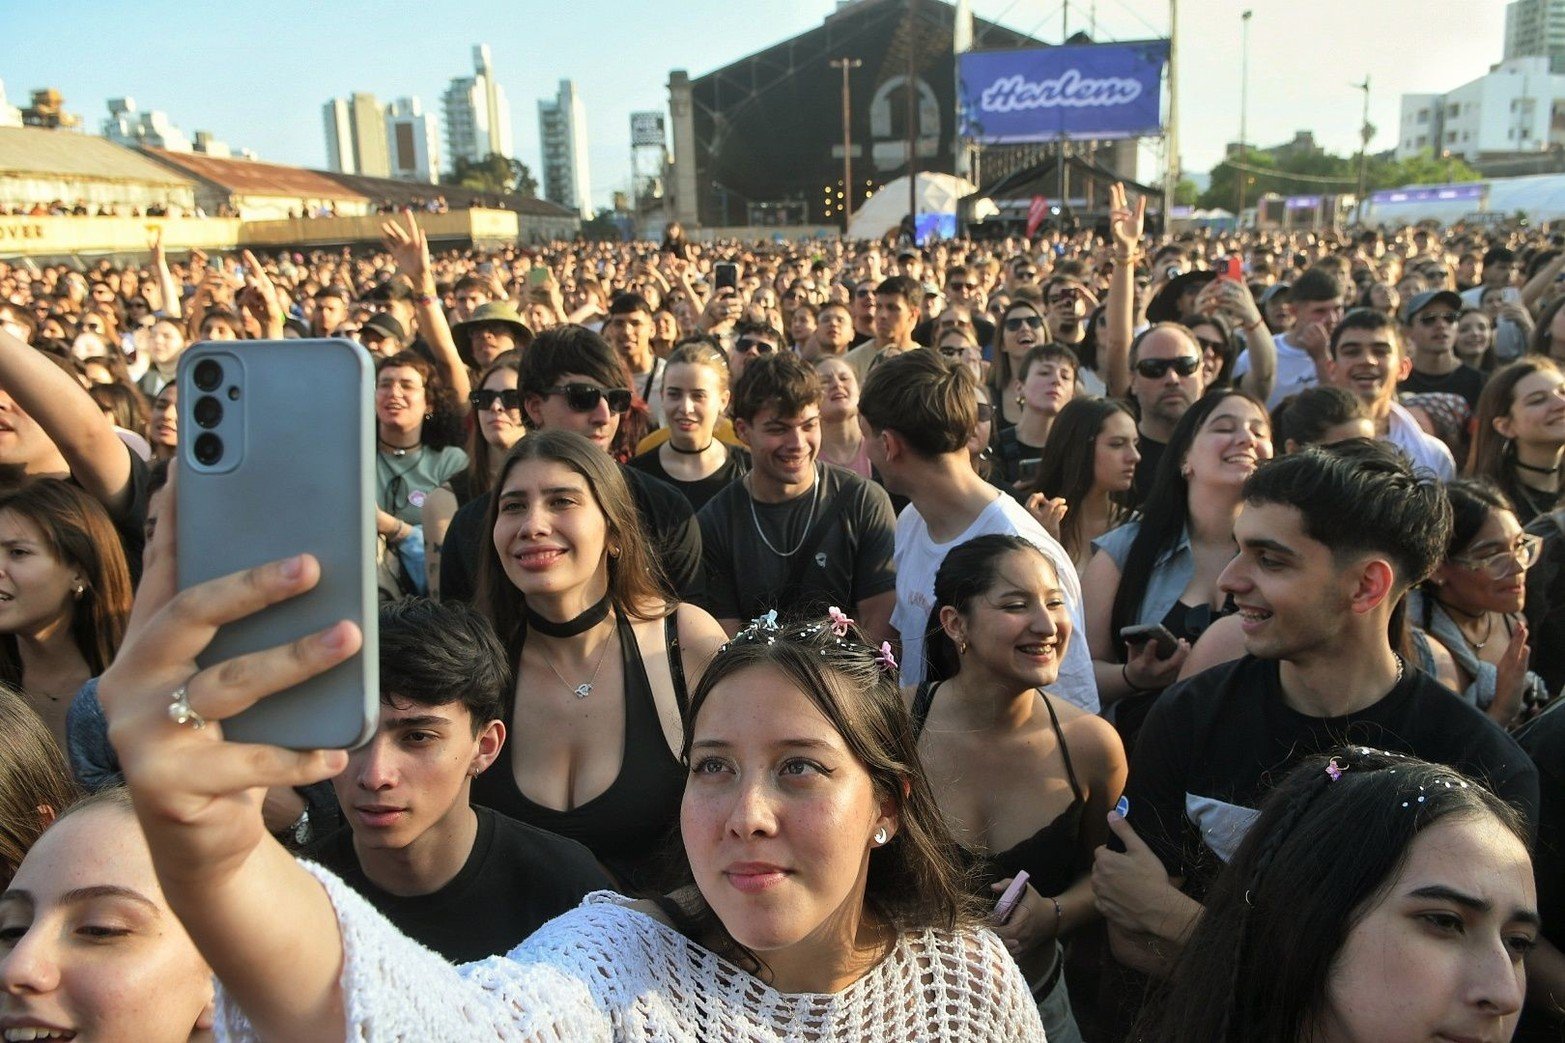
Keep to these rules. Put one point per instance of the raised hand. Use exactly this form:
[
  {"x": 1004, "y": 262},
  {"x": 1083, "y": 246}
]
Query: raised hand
[{"x": 1125, "y": 225}]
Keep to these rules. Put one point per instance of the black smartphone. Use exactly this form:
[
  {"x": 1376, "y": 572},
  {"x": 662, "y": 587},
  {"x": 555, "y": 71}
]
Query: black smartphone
[
  {"x": 1154, "y": 632},
  {"x": 725, "y": 275}
]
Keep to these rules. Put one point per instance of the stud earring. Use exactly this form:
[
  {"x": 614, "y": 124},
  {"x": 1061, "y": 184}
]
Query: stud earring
[
  {"x": 882, "y": 835},
  {"x": 80, "y": 590}
]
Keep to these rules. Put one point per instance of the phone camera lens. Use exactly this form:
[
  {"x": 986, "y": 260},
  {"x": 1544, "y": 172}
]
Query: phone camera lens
[
  {"x": 209, "y": 449},
  {"x": 208, "y": 374},
  {"x": 208, "y": 411}
]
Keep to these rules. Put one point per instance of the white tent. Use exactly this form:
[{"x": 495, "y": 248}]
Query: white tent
[{"x": 937, "y": 194}]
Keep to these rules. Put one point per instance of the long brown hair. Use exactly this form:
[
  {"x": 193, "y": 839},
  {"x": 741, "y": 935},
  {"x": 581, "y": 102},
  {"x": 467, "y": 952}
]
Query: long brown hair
[
  {"x": 33, "y": 777},
  {"x": 1493, "y": 456},
  {"x": 637, "y": 587},
  {"x": 916, "y": 880},
  {"x": 479, "y": 451},
  {"x": 78, "y": 533}
]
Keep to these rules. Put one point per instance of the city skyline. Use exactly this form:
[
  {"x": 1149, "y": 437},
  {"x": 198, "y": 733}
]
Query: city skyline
[{"x": 388, "y": 59}]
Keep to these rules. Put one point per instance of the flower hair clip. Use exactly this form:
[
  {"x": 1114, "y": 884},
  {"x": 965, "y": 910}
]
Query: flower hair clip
[
  {"x": 840, "y": 621},
  {"x": 1335, "y": 770},
  {"x": 884, "y": 659}
]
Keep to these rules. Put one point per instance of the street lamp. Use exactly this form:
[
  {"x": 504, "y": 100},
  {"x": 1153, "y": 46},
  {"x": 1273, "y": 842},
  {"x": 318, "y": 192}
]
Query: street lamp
[
  {"x": 1244, "y": 105},
  {"x": 847, "y": 65}
]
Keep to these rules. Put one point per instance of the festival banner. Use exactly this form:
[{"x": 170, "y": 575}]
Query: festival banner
[
  {"x": 1088, "y": 92},
  {"x": 1037, "y": 210}
]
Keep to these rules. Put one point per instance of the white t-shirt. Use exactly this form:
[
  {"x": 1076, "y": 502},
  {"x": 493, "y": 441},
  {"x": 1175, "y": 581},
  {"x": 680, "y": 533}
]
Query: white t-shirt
[
  {"x": 918, "y": 558},
  {"x": 1428, "y": 453},
  {"x": 1295, "y": 370}
]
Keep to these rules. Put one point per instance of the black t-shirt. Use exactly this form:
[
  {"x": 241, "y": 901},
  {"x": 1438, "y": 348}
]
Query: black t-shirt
[
  {"x": 1464, "y": 380},
  {"x": 700, "y": 491},
  {"x": 1214, "y": 745},
  {"x": 850, "y": 563},
  {"x": 665, "y": 515},
  {"x": 983, "y": 332},
  {"x": 1151, "y": 455},
  {"x": 516, "y": 878}
]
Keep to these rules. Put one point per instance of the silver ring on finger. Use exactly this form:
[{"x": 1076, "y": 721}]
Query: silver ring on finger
[{"x": 180, "y": 711}]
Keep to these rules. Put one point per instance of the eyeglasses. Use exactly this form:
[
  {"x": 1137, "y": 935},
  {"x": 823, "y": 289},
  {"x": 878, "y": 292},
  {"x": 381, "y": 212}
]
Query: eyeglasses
[
  {"x": 1427, "y": 319},
  {"x": 1521, "y": 556},
  {"x": 1032, "y": 322},
  {"x": 509, "y": 399},
  {"x": 744, "y": 345},
  {"x": 584, "y": 398},
  {"x": 985, "y": 412},
  {"x": 1157, "y": 369}
]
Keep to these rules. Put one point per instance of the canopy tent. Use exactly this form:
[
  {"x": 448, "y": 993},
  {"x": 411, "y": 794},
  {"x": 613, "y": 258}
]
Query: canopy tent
[{"x": 885, "y": 211}]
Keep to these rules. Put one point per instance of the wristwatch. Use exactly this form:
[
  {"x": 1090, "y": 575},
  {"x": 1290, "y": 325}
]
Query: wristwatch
[{"x": 298, "y": 834}]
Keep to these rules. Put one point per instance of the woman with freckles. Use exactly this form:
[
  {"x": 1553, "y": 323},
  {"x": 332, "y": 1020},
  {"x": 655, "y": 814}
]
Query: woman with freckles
[{"x": 825, "y": 898}]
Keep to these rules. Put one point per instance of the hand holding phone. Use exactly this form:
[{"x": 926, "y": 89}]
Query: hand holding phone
[
  {"x": 1160, "y": 635},
  {"x": 1008, "y": 901}
]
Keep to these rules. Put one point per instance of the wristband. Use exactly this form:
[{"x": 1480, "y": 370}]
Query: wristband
[
  {"x": 425, "y": 299},
  {"x": 1059, "y": 918}
]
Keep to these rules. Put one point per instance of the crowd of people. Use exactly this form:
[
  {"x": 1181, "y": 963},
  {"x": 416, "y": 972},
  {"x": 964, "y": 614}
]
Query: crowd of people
[{"x": 1097, "y": 636}]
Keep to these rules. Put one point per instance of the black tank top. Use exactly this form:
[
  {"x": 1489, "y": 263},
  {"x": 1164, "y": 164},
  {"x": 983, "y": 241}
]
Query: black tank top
[
  {"x": 628, "y": 826},
  {"x": 1051, "y": 856}
]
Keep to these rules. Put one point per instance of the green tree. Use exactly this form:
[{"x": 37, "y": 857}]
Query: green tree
[
  {"x": 1185, "y": 192},
  {"x": 1321, "y": 173},
  {"x": 1422, "y": 169},
  {"x": 494, "y": 173},
  {"x": 602, "y": 227}
]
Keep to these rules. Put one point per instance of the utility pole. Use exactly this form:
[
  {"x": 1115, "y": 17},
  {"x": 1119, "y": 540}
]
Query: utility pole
[
  {"x": 1171, "y": 135},
  {"x": 1244, "y": 108},
  {"x": 912, "y": 116},
  {"x": 847, "y": 65},
  {"x": 1365, "y": 133}
]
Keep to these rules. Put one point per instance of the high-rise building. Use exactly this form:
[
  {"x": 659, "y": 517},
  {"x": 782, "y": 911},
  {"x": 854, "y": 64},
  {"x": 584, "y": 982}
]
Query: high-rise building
[
  {"x": 339, "y": 137},
  {"x": 562, "y": 145},
  {"x": 1517, "y": 106},
  {"x": 131, "y": 127},
  {"x": 356, "y": 136},
  {"x": 478, "y": 118},
  {"x": 414, "y": 141},
  {"x": 1536, "y": 29}
]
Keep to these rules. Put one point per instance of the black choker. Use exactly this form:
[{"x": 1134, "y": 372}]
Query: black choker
[
  {"x": 571, "y": 627},
  {"x": 1537, "y": 470},
  {"x": 690, "y": 452}
]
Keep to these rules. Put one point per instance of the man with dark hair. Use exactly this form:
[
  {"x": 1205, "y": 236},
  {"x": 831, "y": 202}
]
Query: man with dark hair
[
  {"x": 1367, "y": 359},
  {"x": 897, "y": 304},
  {"x": 1066, "y": 302},
  {"x": 918, "y": 413},
  {"x": 1499, "y": 272},
  {"x": 833, "y": 332},
  {"x": 469, "y": 293},
  {"x": 465, "y": 881},
  {"x": 751, "y": 340},
  {"x": 864, "y": 311},
  {"x": 796, "y": 534},
  {"x": 1430, "y": 321},
  {"x": 1329, "y": 542},
  {"x": 331, "y": 310},
  {"x": 1316, "y": 301},
  {"x": 965, "y": 295},
  {"x": 629, "y": 329},
  {"x": 571, "y": 379}
]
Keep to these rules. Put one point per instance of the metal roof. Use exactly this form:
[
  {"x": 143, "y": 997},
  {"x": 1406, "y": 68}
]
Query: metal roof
[
  {"x": 248, "y": 177},
  {"x": 34, "y": 151}
]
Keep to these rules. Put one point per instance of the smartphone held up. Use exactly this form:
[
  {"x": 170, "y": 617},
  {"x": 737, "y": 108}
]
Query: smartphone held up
[{"x": 277, "y": 458}]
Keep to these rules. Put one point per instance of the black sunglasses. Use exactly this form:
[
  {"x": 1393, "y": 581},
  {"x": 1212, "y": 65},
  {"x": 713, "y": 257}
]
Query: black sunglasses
[
  {"x": 1156, "y": 369},
  {"x": 584, "y": 398},
  {"x": 509, "y": 398},
  {"x": 762, "y": 347},
  {"x": 1030, "y": 321}
]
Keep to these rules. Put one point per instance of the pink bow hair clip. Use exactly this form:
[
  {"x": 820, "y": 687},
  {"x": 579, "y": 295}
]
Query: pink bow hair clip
[
  {"x": 884, "y": 658},
  {"x": 840, "y": 621}
]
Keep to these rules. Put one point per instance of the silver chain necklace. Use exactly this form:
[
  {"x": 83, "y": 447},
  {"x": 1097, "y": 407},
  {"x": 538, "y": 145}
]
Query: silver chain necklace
[
  {"x": 581, "y": 691},
  {"x": 815, "y": 493}
]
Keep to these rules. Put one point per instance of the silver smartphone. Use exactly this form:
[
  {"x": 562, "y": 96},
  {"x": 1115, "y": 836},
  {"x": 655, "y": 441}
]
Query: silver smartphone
[{"x": 277, "y": 458}]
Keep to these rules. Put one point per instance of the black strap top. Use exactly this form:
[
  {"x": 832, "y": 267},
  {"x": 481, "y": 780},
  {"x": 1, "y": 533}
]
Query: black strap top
[
  {"x": 629, "y": 825},
  {"x": 1052, "y": 856}
]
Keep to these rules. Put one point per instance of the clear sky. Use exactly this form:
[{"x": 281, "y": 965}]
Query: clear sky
[{"x": 257, "y": 74}]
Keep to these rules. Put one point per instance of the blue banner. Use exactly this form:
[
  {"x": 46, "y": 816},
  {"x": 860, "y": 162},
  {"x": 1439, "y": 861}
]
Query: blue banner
[
  {"x": 1043, "y": 94},
  {"x": 1471, "y": 191}
]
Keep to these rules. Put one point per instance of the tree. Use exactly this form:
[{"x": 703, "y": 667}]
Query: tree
[
  {"x": 605, "y": 226},
  {"x": 1185, "y": 192},
  {"x": 494, "y": 173},
  {"x": 1321, "y": 173}
]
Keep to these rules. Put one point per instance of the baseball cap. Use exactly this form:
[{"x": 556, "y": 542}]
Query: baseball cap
[{"x": 1420, "y": 301}]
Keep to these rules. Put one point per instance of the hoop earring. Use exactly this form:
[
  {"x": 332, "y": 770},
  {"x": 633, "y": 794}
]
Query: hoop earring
[{"x": 882, "y": 835}]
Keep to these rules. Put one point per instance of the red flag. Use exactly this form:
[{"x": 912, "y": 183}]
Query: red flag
[{"x": 1037, "y": 210}]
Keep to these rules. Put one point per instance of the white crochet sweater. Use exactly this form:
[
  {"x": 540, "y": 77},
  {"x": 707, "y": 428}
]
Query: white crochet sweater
[{"x": 604, "y": 972}]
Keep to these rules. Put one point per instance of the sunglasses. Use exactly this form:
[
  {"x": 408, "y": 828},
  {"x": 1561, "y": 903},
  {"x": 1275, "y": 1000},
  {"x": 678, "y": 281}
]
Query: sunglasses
[
  {"x": 744, "y": 345},
  {"x": 1211, "y": 345},
  {"x": 1026, "y": 273},
  {"x": 584, "y": 398},
  {"x": 958, "y": 287},
  {"x": 509, "y": 399},
  {"x": 1156, "y": 369},
  {"x": 1439, "y": 316},
  {"x": 1063, "y": 297},
  {"x": 1032, "y": 322}
]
